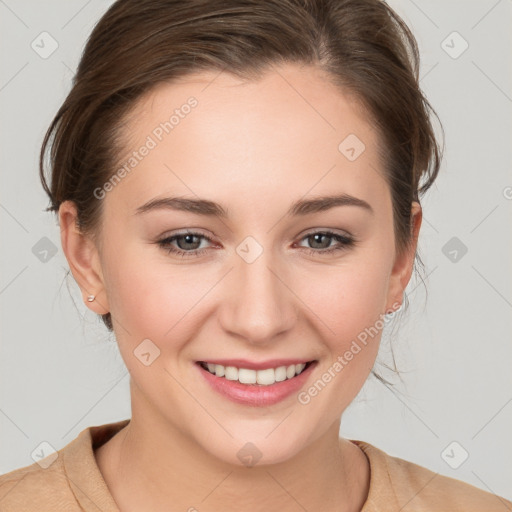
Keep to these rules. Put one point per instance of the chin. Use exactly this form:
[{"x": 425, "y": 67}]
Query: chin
[{"x": 271, "y": 446}]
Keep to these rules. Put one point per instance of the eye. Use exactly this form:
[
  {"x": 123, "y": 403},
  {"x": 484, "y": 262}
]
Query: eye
[
  {"x": 188, "y": 244},
  {"x": 321, "y": 242}
]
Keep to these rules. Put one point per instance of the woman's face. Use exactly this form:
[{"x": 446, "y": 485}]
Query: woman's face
[{"x": 255, "y": 288}]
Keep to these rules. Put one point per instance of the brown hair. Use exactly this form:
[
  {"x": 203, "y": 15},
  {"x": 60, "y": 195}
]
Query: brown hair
[{"x": 364, "y": 46}]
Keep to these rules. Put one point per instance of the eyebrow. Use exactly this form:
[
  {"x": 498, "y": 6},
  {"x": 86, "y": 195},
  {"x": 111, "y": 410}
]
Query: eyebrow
[{"x": 210, "y": 208}]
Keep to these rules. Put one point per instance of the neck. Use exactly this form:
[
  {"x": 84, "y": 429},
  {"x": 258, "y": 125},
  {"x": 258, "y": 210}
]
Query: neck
[{"x": 150, "y": 465}]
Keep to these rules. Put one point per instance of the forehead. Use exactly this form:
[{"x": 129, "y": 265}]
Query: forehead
[{"x": 212, "y": 133}]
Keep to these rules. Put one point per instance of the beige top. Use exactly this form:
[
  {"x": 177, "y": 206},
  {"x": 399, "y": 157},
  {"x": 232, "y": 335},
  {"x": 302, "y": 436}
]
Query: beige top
[{"x": 74, "y": 483}]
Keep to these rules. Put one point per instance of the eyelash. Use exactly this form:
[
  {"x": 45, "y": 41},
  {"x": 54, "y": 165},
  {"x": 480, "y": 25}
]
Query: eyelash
[{"x": 345, "y": 242}]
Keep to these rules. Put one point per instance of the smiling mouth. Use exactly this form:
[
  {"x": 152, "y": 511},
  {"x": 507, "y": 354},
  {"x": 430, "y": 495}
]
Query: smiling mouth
[{"x": 264, "y": 377}]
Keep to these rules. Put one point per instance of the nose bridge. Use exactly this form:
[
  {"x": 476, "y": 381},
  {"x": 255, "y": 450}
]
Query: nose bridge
[{"x": 261, "y": 306}]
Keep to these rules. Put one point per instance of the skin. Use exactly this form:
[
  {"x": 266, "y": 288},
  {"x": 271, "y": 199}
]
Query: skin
[{"x": 255, "y": 147}]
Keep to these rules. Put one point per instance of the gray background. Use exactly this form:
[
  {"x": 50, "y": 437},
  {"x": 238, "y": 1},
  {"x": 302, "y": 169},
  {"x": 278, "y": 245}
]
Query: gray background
[{"x": 60, "y": 371}]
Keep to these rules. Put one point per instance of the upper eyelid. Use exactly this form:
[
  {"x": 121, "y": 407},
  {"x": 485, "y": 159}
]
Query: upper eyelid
[{"x": 184, "y": 233}]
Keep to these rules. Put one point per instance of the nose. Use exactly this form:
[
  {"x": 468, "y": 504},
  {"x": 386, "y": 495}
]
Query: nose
[{"x": 258, "y": 304}]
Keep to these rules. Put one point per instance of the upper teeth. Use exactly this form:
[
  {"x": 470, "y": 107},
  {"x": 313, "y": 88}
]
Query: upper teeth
[{"x": 265, "y": 377}]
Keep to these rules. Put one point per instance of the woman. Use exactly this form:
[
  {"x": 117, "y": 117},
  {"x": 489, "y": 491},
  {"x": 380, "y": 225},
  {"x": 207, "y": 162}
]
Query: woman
[{"x": 238, "y": 190}]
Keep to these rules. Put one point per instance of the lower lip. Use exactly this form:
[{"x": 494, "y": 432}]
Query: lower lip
[{"x": 253, "y": 394}]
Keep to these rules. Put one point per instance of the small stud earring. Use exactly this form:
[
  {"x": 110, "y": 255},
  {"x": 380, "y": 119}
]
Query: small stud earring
[{"x": 90, "y": 298}]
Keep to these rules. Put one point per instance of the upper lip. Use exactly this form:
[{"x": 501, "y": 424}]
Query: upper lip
[{"x": 254, "y": 365}]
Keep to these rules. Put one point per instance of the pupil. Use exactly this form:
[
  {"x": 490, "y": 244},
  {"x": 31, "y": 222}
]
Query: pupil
[
  {"x": 317, "y": 238},
  {"x": 188, "y": 239}
]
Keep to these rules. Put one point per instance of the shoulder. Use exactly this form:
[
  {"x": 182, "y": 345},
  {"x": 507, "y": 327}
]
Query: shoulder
[
  {"x": 415, "y": 488},
  {"x": 65, "y": 480},
  {"x": 33, "y": 487}
]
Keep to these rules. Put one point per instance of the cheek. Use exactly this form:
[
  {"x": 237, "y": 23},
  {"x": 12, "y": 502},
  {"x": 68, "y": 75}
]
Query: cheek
[
  {"x": 152, "y": 298},
  {"x": 139, "y": 293},
  {"x": 349, "y": 303},
  {"x": 148, "y": 299},
  {"x": 347, "y": 299}
]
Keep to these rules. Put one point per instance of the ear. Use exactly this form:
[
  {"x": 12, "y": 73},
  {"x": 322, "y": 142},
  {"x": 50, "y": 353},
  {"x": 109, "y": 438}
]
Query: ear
[
  {"x": 83, "y": 259},
  {"x": 404, "y": 263}
]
